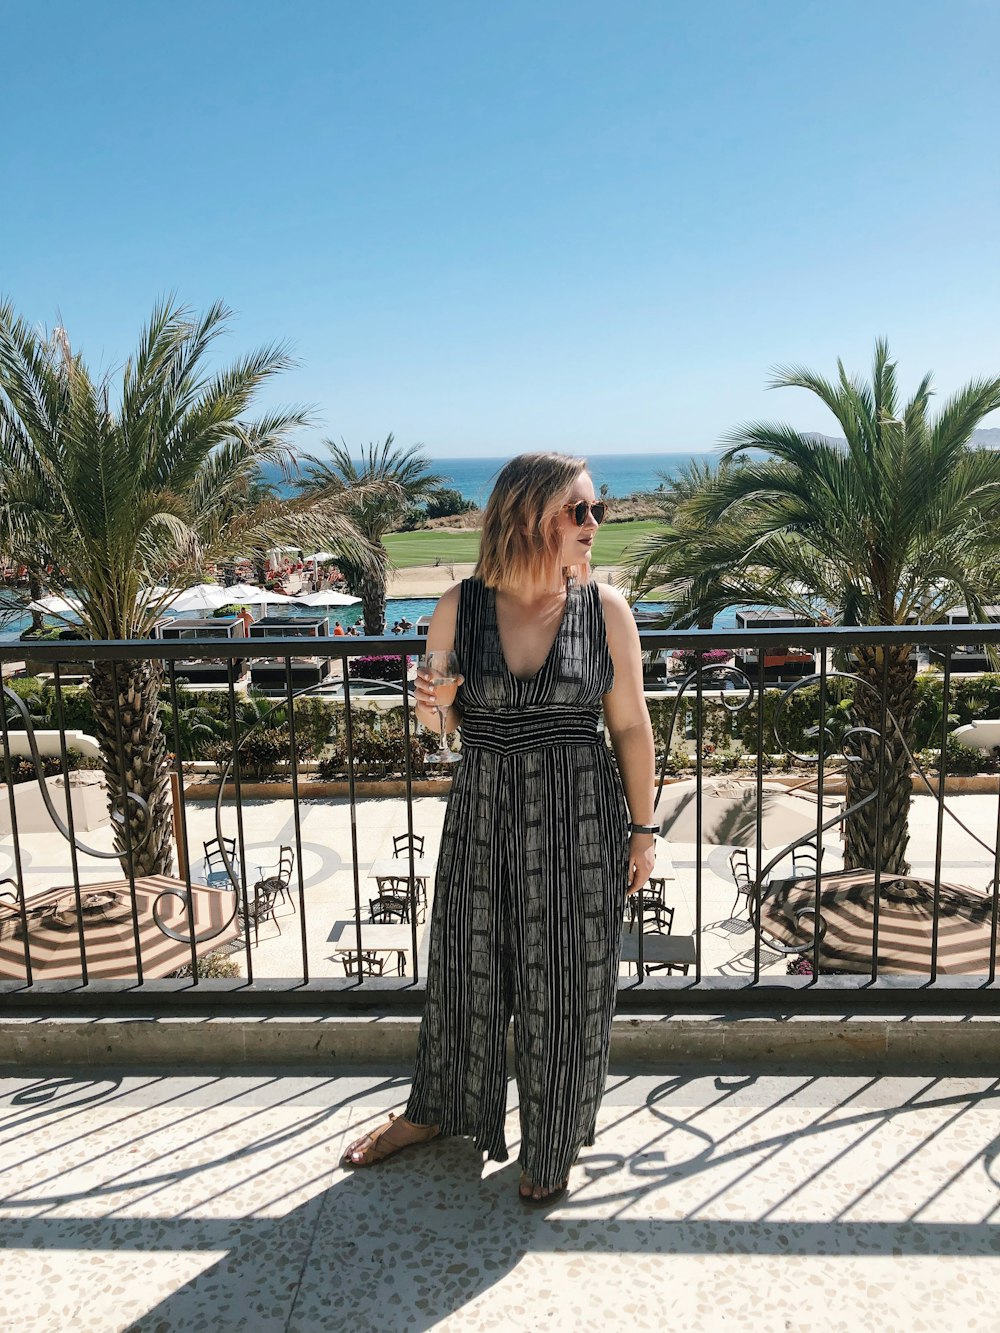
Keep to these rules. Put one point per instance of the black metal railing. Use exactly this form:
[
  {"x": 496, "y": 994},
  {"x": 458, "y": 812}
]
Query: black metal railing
[{"x": 826, "y": 729}]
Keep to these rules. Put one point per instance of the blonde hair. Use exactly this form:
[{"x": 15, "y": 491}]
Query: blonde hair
[{"x": 521, "y": 540}]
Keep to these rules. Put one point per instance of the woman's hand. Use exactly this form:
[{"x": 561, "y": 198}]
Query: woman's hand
[
  {"x": 425, "y": 691},
  {"x": 641, "y": 856},
  {"x": 425, "y": 696}
]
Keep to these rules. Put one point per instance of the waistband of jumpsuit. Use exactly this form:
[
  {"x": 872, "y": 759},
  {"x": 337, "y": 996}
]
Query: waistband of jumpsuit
[{"x": 529, "y": 729}]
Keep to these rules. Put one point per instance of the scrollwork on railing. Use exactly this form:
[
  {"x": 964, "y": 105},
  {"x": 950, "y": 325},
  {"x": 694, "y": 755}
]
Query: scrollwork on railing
[
  {"x": 116, "y": 816},
  {"x": 722, "y": 670},
  {"x": 236, "y": 884},
  {"x": 759, "y": 884}
]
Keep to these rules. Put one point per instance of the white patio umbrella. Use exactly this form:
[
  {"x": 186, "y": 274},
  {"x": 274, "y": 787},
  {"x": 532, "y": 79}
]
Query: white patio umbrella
[
  {"x": 326, "y": 597},
  {"x": 248, "y": 594},
  {"x": 55, "y": 605},
  {"x": 729, "y": 813},
  {"x": 201, "y": 597},
  {"x": 321, "y": 557}
]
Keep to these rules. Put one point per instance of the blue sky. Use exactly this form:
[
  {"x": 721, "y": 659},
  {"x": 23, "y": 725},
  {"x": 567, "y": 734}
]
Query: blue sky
[{"x": 495, "y": 227}]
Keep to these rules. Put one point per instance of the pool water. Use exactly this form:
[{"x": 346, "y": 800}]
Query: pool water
[{"x": 397, "y": 608}]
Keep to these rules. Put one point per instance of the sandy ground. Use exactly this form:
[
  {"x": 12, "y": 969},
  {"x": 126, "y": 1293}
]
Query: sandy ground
[{"x": 433, "y": 580}]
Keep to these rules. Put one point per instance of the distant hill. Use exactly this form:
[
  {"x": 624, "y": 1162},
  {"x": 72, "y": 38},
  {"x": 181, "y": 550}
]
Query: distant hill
[{"x": 988, "y": 437}]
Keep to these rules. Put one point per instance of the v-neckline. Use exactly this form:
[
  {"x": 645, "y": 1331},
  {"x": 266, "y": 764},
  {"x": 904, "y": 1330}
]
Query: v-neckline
[{"x": 526, "y": 680}]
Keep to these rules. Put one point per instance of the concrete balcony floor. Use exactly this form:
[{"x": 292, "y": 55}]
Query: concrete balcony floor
[{"x": 711, "y": 1200}]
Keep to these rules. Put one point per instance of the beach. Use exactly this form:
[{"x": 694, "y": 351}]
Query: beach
[{"x": 433, "y": 580}]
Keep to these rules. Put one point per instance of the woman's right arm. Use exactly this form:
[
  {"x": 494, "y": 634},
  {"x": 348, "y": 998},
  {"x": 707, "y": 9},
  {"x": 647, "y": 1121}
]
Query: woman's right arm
[{"x": 440, "y": 638}]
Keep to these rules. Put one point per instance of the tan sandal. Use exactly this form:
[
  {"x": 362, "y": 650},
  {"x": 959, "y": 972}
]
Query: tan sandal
[
  {"x": 375, "y": 1151},
  {"x": 530, "y": 1201}
]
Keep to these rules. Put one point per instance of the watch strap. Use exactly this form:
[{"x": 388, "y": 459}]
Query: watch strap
[{"x": 644, "y": 828}]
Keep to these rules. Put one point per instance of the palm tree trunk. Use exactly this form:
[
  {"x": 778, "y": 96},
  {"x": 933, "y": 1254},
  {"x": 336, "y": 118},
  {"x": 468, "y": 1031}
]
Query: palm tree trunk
[
  {"x": 143, "y": 756},
  {"x": 372, "y": 583},
  {"x": 35, "y": 591},
  {"x": 865, "y": 840}
]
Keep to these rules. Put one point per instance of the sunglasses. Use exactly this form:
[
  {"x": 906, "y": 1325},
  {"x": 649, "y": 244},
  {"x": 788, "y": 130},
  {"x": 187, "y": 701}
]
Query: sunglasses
[{"x": 580, "y": 511}]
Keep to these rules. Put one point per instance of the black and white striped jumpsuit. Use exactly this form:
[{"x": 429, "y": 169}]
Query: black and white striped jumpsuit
[{"x": 530, "y": 889}]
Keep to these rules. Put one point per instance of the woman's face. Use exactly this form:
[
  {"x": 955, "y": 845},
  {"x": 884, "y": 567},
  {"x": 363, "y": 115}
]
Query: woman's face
[{"x": 577, "y": 541}]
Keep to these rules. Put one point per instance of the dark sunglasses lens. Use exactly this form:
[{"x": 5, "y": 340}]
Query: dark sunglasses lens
[{"x": 598, "y": 509}]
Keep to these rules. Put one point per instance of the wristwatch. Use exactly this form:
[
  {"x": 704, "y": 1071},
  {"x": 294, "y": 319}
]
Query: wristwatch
[{"x": 644, "y": 828}]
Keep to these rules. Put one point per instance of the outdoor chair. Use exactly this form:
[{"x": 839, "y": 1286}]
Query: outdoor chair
[
  {"x": 739, "y": 865},
  {"x": 393, "y": 886},
  {"x": 215, "y": 865},
  {"x": 260, "y": 907},
  {"x": 279, "y": 881},
  {"x": 805, "y": 862},
  {"x": 650, "y": 898},
  {"x": 389, "y": 909},
  {"x": 667, "y": 967},
  {"x": 401, "y": 844},
  {"x": 372, "y": 964},
  {"x": 664, "y": 917}
]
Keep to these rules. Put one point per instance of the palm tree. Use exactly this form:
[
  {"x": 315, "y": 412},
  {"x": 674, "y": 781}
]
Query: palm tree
[
  {"x": 899, "y": 522},
  {"x": 403, "y": 479},
  {"x": 136, "y": 493}
]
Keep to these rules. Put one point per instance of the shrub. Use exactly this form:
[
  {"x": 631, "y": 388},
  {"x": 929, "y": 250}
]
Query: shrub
[
  {"x": 723, "y": 761},
  {"x": 689, "y": 658},
  {"x": 961, "y": 760},
  {"x": 379, "y": 747},
  {"x": 261, "y": 754},
  {"x": 213, "y": 966},
  {"x": 677, "y": 761},
  {"x": 377, "y": 668},
  {"x": 23, "y": 767}
]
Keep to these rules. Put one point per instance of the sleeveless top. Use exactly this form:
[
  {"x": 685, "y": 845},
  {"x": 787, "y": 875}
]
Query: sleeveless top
[{"x": 559, "y": 704}]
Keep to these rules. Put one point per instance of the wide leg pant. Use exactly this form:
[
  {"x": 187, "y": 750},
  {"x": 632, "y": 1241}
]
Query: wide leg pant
[{"x": 526, "y": 923}]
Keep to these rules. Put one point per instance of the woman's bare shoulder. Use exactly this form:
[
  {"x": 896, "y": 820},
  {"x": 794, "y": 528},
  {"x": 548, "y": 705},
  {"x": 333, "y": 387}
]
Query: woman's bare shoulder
[
  {"x": 445, "y": 616},
  {"x": 618, "y": 619},
  {"x": 449, "y": 598},
  {"x": 613, "y": 603}
]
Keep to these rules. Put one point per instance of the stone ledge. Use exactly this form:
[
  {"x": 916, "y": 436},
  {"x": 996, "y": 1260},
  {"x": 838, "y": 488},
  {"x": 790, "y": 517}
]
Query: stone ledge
[{"x": 839, "y": 1042}]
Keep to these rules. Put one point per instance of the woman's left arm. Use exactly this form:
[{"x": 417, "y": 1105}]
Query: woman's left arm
[{"x": 627, "y": 718}]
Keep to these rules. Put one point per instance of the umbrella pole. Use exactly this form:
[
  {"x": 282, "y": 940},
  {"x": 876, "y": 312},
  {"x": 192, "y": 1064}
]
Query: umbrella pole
[{"x": 179, "y": 839}]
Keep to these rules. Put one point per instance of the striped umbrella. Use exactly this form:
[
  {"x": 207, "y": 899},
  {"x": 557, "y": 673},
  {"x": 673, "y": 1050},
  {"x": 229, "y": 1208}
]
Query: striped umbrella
[
  {"x": 905, "y": 922},
  {"x": 730, "y": 816},
  {"x": 108, "y": 932}
]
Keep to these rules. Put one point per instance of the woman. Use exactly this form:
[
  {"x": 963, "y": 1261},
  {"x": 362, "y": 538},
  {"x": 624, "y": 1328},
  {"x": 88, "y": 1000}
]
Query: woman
[{"x": 537, "y": 850}]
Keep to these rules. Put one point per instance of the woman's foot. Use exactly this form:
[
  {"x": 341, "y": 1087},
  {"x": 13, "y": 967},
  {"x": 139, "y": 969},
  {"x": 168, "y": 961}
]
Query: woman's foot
[
  {"x": 534, "y": 1194},
  {"x": 396, "y": 1134}
]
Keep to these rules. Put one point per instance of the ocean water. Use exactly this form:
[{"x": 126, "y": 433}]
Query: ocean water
[{"x": 623, "y": 474}]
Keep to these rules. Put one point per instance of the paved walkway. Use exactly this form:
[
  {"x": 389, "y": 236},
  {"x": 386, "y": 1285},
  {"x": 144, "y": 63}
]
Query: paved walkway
[
  {"x": 735, "y": 1201},
  {"x": 328, "y": 872}
]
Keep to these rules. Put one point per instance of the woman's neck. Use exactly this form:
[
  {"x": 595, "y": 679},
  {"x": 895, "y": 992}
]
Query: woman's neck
[{"x": 539, "y": 590}]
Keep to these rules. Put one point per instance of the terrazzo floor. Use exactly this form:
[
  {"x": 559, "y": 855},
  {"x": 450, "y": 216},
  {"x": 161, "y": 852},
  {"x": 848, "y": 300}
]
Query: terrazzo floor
[{"x": 741, "y": 1200}]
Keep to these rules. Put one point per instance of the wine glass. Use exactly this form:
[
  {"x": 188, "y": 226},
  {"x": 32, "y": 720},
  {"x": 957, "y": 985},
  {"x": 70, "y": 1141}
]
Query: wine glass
[{"x": 442, "y": 667}]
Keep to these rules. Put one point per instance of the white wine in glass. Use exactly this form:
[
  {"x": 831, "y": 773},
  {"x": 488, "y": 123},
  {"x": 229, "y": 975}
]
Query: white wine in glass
[{"x": 442, "y": 667}]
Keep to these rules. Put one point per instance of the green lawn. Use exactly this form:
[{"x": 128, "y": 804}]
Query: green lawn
[{"x": 424, "y": 548}]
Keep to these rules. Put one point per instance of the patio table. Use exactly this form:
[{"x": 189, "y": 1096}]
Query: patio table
[
  {"x": 374, "y": 939},
  {"x": 399, "y": 866},
  {"x": 663, "y": 867},
  {"x": 658, "y": 948}
]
